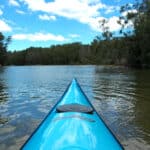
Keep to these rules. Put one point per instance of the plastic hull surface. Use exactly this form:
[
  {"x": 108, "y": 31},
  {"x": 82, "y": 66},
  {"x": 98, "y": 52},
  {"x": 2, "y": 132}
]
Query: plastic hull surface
[{"x": 72, "y": 130}]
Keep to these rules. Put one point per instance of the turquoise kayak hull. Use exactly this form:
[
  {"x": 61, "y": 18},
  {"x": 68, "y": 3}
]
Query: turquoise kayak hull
[{"x": 72, "y": 130}]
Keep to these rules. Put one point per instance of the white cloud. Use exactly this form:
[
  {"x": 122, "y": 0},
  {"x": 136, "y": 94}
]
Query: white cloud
[
  {"x": 4, "y": 27},
  {"x": 83, "y": 11},
  {"x": 112, "y": 9},
  {"x": 129, "y": 11},
  {"x": 47, "y": 17},
  {"x": 14, "y": 3},
  {"x": 112, "y": 23},
  {"x": 39, "y": 37},
  {"x": 108, "y": 11},
  {"x": 1, "y": 12},
  {"x": 74, "y": 35},
  {"x": 20, "y": 12}
]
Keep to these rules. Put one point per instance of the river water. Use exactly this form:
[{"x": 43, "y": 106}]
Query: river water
[{"x": 120, "y": 95}]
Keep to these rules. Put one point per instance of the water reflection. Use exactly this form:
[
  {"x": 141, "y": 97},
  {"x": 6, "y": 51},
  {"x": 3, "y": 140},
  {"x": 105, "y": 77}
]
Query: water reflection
[
  {"x": 31, "y": 92},
  {"x": 3, "y": 98},
  {"x": 3, "y": 94},
  {"x": 122, "y": 97},
  {"x": 142, "y": 104}
]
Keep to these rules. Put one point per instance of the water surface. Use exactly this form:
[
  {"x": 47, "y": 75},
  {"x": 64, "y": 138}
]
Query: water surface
[{"x": 120, "y": 95}]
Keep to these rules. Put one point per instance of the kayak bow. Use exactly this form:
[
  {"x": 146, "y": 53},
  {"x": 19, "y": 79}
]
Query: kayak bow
[{"x": 73, "y": 124}]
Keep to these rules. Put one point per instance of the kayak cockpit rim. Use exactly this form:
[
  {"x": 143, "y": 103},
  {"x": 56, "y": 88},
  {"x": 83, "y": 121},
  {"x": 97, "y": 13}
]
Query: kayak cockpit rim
[{"x": 74, "y": 107}]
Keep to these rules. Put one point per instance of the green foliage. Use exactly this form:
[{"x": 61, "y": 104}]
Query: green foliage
[
  {"x": 59, "y": 54},
  {"x": 132, "y": 48},
  {"x": 109, "y": 52},
  {"x": 3, "y": 48},
  {"x": 106, "y": 34},
  {"x": 139, "y": 46}
]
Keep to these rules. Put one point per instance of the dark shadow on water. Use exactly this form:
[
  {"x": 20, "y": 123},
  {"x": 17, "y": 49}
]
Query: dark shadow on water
[
  {"x": 3, "y": 97},
  {"x": 142, "y": 104},
  {"x": 3, "y": 94}
]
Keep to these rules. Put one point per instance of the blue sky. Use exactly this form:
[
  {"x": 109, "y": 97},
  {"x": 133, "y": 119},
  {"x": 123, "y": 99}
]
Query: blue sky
[{"x": 48, "y": 22}]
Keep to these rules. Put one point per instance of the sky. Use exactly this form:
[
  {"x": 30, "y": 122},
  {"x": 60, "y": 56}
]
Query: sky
[{"x": 42, "y": 23}]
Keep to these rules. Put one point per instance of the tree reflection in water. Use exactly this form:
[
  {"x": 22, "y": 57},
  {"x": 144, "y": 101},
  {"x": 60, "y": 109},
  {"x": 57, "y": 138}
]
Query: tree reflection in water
[
  {"x": 122, "y": 97},
  {"x": 3, "y": 98}
]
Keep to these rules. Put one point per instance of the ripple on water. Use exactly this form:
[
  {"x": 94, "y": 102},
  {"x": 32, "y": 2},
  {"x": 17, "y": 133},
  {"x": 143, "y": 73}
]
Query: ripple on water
[{"x": 120, "y": 95}]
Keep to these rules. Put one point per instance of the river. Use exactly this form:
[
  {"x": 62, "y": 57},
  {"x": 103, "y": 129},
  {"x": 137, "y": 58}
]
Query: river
[{"x": 120, "y": 95}]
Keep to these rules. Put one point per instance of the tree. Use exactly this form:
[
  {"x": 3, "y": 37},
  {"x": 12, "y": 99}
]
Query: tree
[
  {"x": 3, "y": 48},
  {"x": 106, "y": 34},
  {"x": 138, "y": 42}
]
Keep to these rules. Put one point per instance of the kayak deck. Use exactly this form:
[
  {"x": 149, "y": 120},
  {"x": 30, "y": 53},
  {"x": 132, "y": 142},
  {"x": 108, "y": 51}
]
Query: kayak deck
[{"x": 72, "y": 129}]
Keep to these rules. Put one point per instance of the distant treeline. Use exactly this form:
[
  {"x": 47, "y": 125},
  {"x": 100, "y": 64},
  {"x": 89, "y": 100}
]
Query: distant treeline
[
  {"x": 59, "y": 54},
  {"x": 98, "y": 52},
  {"x": 131, "y": 48}
]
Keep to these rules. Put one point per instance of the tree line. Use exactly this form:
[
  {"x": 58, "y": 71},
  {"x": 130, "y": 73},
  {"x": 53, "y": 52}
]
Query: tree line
[{"x": 132, "y": 48}]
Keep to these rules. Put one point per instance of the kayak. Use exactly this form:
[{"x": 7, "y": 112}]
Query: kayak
[{"x": 73, "y": 124}]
